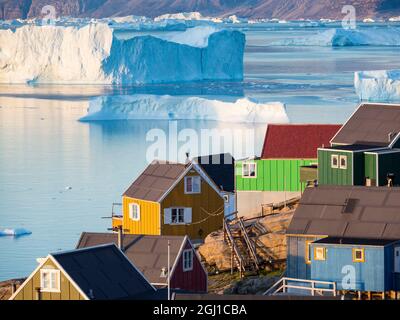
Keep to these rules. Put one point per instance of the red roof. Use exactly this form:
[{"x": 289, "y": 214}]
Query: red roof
[{"x": 296, "y": 141}]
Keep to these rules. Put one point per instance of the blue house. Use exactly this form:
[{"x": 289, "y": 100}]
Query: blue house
[{"x": 348, "y": 235}]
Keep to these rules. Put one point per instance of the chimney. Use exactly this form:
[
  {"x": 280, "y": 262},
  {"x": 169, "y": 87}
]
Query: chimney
[
  {"x": 13, "y": 287},
  {"x": 187, "y": 158},
  {"x": 120, "y": 238}
]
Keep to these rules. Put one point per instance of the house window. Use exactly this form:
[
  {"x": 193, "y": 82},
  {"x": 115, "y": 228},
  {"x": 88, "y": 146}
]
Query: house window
[
  {"x": 334, "y": 161},
  {"x": 192, "y": 184},
  {"x": 50, "y": 280},
  {"x": 187, "y": 260},
  {"x": 320, "y": 253},
  {"x": 358, "y": 255},
  {"x": 134, "y": 211},
  {"x": 249, "y": 170},
  {"x": 178, "y": 215},
  {"x": 308, "y": 252},
  {"x": 343, "y": 162}
]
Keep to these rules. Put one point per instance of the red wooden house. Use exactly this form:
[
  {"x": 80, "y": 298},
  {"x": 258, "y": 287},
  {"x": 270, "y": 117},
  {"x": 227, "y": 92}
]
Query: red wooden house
[{"x": 149, "y": 254}]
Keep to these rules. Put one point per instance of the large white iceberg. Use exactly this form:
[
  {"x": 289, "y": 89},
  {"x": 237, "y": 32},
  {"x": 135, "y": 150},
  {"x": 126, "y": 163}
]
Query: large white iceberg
[
  {"x": 380, "y": 85},
  {"x": 167, "y": 107},
  {"x": 348, "y": 37},
  {"x": 92, "y": 54}
]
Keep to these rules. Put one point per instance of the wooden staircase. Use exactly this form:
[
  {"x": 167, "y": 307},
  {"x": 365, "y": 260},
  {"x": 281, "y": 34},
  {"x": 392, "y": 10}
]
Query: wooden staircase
[{"x": 243, "y": 249}]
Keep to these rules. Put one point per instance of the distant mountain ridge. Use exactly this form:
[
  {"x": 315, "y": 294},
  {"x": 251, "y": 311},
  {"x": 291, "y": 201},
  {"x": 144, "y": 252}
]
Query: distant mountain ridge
[{"x": 282, "y": 9}]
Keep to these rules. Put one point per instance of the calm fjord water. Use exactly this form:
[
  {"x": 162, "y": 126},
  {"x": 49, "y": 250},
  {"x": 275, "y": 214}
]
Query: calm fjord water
[{"x": 44, "y": 149}]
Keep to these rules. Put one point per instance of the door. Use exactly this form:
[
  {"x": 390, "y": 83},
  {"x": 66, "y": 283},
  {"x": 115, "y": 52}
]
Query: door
[{"x": 397, "y": 259}]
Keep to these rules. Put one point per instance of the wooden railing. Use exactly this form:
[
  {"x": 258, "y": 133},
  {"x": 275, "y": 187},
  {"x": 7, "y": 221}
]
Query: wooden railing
[
  {"x": 249, "y": 244},
  {"x": 238, "y": 256},
  {"x": 287, "y": 283}
]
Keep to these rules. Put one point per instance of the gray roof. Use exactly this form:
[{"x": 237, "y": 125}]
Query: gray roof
[
  {"x": 370, "y": 125},
  {"x": 147, "y": 253},
  {"x": 155, "y": 181},
  {"x": 348, "y": 212},
  {"x": 104, "y": 273}
]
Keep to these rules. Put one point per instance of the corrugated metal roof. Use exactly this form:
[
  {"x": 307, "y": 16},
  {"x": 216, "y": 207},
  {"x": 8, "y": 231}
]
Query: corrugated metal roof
[
  {"x": 296, "y": 141},
  {"x": 370, "y": 125},
  {"x": 147, "y": 253},
  {"x": 376, "y": 213},
  {"x": 104, "y": 273},
  {"x": 155, "y": 180}
]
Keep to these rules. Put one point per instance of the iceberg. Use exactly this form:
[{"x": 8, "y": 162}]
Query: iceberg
[
  {"x": 14, "y": 232},
  {"x": 92, "y": 54},
  {"x": 138, "y": 107},
  {"x": 348, "y": 37},
  {"x": 382, "y": 85}
]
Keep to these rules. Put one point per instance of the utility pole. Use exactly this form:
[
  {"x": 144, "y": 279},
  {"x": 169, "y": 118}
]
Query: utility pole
[{"x": 169, "y": 277}]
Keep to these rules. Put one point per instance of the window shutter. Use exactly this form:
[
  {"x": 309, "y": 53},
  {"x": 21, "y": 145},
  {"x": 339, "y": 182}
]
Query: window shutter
[
  {"x": 188, "y": 215},
  {"x": 167, "y": 216},
  {"x": 138, "y": 213}
]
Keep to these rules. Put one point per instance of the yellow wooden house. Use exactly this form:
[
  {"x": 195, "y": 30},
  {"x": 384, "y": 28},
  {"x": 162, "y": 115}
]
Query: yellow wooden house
[
  {"x": 175, "y": 199},
  {"x": 101, "y": 272}
]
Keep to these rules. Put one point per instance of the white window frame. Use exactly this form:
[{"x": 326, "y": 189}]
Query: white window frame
[
  {"x": 52, "y": 273},
  {"x": 334, "y": 156},
  {"x": 249, "y": 164},
  {"x": 316, "y": 255},
  {"x": 137, "y": 206},
  {"x": 187, "y": 261},
  {"x": 193, "y": 178},
  {"x": 344, "y": 167},
  {"x": 177, "y": 210}
]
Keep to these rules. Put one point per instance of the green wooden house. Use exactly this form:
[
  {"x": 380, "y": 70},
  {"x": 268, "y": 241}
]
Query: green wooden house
[
  {"x": 365, "y": 151},
  {"x": 286, "y": 166}
]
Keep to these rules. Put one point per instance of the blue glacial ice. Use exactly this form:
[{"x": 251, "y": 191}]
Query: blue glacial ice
[
  {"x": 381, "y": 85},
  {"x": 138, "y": 107},
  {"x": 348, "y": 37},
  {"x": 93, "y": 55},
  {"x": 14, "y": 232}
]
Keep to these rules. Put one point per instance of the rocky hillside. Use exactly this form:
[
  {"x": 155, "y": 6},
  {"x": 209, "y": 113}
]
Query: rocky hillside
[
  {"x": 271, "y": 246},
  {"x": 283, "y": 9}
]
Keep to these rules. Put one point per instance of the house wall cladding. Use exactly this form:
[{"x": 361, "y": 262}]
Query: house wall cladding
[
  {"x": 334, "y": 176},
  {"x": 194, "y": 280},
  {"x": 370, "y": 166},
  {"x": 149, "y": 222},
  {"x": 67, "y": 289},
  {"x": 207, "y": 210},
  {"x": 369, "y": 275},
  {"x": 296, "y": 257},
  {"x": 273, "y": 175}
]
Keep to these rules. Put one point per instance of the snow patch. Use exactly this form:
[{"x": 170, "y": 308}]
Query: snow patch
[
  {"x": 381, "y": 85},
  {"x": 195, "y": 37},
  {"x": 188, "y": 108}
]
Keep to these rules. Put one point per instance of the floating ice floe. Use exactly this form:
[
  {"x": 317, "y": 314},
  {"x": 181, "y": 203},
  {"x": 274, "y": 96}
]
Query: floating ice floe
[
  {"x": 184, "y": 108},
  {"x": 14, "y": 232},
  {"x": 382, "y": 85},
  {"x": 93, "y": 55},
  {"x": 348, "y": 37}
]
